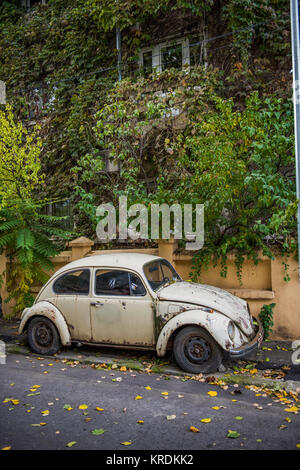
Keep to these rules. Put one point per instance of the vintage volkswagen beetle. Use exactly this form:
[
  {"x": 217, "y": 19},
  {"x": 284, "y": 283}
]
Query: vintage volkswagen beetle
[{"x": 139, "y": 301}]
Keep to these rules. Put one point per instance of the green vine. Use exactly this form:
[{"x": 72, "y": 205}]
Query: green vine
[{"x": 266, "y": 318}]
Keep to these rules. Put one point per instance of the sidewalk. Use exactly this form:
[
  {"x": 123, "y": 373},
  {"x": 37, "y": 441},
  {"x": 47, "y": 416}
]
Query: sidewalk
[{"x": 270, "y": 366}]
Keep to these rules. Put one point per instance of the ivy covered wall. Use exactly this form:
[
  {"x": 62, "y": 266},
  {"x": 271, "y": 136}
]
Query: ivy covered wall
[{"x": 59, "y": 62}]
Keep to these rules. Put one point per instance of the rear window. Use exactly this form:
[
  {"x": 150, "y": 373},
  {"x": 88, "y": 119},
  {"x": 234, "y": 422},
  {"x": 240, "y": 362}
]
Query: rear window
[{"x": 76, "y": 282}]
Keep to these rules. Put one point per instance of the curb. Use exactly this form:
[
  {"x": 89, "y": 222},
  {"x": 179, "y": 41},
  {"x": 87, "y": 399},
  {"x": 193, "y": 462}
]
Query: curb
[{"x": 228, "y": 378}]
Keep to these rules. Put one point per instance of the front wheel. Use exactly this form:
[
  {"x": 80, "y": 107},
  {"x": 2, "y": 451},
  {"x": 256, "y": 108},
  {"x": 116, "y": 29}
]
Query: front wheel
[
  {"x": 43, "y": 337},
  {"x": 196, "y": 351}
]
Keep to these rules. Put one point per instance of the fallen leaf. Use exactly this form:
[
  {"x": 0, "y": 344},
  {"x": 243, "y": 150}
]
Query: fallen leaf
[
  {"x": 164, "y": 393},
  {"x": 283, "y": 426},
  {"x": 140, "y": 421},
  {"x": 169, "y": 417},
  {"x": 6, "y": 448},
  {"x": 206, "y": 420},
  {"x": 232, "y": 434},
  {"x": 212, "y": 393},
  {"x": 68, "y": 407},
  {"x": 70, "y": 444},
  {"x": 123, "y": 369},
  {"x": 193, "y": 429},
  {"x": 98, "y": 432},
  {"x": 148, "y": 387},
  {"x": 138, "y": 397},
  {"x": 82, "y": 407},
  {"x": 239, "y": 418},
  {"x": 99, "y": 409},
  {"x": 292, "y": 409},
  {"x": 126, "y": 443}
]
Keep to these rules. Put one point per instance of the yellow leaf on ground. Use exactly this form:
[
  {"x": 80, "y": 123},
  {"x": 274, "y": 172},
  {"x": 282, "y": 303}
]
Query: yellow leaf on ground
[
  {"x": 206, "y": 420},
  {"x": 164, "y": 393},
  {"x": 212, "y": 393},
  {"x": 193, "y": 429},
  {"x": 6, "y": 448},
  {"x": 215, "y": 407},
  {"x": 15, "y": 402},
  {"x": 140, "y": 421},
  {"x": 148, "y": 388},
  {"x": 123, "y": 369},
  {"x": 99, "y": 409},
  {"x": 83, "y": 407},
  {"x": 292, "y": 409},
  {"x": 138, "y": 397},
  {"x": 126, "y": 443}
]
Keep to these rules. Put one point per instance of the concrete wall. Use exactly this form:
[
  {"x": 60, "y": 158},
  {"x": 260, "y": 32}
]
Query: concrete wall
[{"x": 261, "y": 284}]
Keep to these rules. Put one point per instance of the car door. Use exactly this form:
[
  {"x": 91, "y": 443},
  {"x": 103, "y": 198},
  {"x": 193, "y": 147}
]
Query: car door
[
  {"x": 121, "y": 309},
  {"x": 72, "y": 298}
]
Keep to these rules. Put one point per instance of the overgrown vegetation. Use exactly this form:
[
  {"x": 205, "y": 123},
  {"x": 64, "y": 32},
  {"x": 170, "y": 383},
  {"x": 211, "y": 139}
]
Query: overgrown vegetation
[
  {"x": 219, "y": 135},
  {"x": 25, "y": 230}
]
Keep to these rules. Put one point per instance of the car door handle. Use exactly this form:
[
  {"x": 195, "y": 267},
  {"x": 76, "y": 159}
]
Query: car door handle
[{"x": 96, "y": 304}]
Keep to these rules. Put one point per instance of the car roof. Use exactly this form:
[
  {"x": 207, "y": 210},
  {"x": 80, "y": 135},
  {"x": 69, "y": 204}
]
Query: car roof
[{"x": 134, "y": 261}]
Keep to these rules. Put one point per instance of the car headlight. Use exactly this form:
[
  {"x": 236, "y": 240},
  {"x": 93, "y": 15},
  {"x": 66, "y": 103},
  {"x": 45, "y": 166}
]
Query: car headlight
[{"x": 231, "y": 330}]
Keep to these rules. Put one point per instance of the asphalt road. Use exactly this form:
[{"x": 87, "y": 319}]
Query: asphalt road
[{"x": 261, "y": 422}]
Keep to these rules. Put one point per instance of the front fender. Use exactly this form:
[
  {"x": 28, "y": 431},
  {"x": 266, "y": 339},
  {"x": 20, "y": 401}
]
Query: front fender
[
  {"x": 46, "y": 309},
  {"x": 215, "y": 323}
]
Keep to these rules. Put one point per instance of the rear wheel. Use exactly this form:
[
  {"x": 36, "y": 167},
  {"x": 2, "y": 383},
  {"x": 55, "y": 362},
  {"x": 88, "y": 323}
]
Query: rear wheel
[
  {"x": 43, "y": 337},
  {"x": 196, "y": 351}
]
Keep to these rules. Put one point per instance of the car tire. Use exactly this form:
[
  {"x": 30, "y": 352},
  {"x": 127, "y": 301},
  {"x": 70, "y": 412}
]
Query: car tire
[
  {"x": 43, "y": 337},
  {"x": 196, "y": 351}
]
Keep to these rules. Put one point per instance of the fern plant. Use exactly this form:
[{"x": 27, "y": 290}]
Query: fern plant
[{"x": 29, "y": 239}]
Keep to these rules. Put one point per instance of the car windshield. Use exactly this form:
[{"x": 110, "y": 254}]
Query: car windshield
[{"x": 159, "y": 273}]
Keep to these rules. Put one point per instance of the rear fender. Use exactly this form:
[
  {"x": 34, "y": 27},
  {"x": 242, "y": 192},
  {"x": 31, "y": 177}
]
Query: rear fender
[{"x": 46, "y": 309}]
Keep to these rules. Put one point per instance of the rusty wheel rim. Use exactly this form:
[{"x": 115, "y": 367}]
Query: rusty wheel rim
[
  {"x": 197, "y": 350},
  {"x": 43, "y": 334}
]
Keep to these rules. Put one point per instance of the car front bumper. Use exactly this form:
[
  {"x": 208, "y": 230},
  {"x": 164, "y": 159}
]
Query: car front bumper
[{"x": 247, "y": 348}]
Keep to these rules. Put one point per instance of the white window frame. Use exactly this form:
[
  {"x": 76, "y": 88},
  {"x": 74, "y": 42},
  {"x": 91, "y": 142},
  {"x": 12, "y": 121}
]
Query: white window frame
[{"x": 157, "y": 53}]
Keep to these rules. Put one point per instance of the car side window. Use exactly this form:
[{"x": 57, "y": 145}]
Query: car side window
[
  {"x": 75, "y": 282},
  {"x": 117, "y": 282}
]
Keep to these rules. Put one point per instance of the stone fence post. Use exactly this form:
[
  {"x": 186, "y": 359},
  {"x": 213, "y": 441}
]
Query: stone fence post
[{"x": 80, "y": 247}]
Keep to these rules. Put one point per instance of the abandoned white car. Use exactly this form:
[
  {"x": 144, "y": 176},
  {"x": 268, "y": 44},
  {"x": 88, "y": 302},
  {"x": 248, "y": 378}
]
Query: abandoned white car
[{"x": 139, "y": 301}]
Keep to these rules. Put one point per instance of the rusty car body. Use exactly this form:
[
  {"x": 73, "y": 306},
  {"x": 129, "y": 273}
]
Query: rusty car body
[{"x": 139, "y": 301}]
